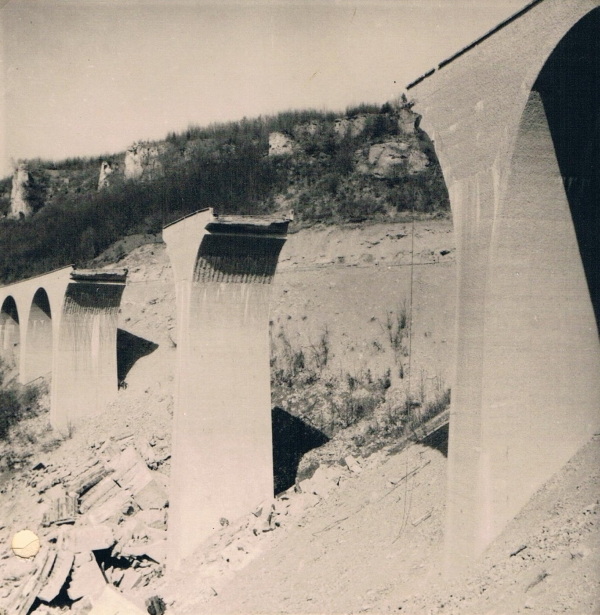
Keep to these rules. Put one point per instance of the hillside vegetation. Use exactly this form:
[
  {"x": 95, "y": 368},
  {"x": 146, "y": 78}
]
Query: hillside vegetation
[{"x": 332, "y": 174}]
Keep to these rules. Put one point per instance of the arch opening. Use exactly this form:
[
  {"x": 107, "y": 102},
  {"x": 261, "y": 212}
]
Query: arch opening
[
  {"x": 569, "y": 86},
  {"x": 10, "y": 333},
  {"x": 38, "y": 349}
]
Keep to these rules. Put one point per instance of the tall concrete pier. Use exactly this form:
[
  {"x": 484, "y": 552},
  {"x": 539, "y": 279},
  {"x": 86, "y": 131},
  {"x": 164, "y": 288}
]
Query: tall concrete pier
[
  {"x": 63, "y": 324},
  {"x": 514, "y": 121},
  {"x": 84, "y": 376},
  {"x": 222, "y": 442}
]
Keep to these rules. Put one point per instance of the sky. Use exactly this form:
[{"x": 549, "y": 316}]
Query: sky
[{"x": 88, "y": 77}]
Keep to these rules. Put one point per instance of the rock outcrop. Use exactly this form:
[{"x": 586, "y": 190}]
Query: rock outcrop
[
  {"x": 280, "y": 144},
  {"x": 306, "y": 129},
  {"x": 385, "y": 159},
  {"x": 141, "y": 161},
  {"x": 105, "y": 171},
  {"x": 408, "y": 121},
  {"x": 352, "y": 126},
  {"x": 19, "y": 205}
]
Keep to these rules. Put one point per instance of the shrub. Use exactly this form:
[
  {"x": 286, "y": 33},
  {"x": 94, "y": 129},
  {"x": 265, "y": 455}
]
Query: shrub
[{"x": 15, "y": 405}]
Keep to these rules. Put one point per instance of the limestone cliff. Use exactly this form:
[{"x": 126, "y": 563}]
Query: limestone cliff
[
  {"x": 105, "y": 171},
  {"x": 280, "y": 144},
  {"x": 142, "y": 161},
  {"x": 19, "y": 205}
]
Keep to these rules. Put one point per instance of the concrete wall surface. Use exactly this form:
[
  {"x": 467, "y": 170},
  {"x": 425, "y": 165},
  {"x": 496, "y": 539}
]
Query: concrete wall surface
[
  {"x": 222, "y": 462},
  {"x": 526, "y": 392},
  {"x": 64, "y": 324}
]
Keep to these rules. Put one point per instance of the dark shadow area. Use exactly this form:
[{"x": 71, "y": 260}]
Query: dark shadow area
[
  {"x": 130, "y": 348},
  {"x": 569, "y": 85},
  {"x": 9, "y": 308},
  {"x": 237, "y": 257},
  {"x": 292, "y": 438},
  {"x": 438, "y": 440},
  {"x": 40, "y": 299}
]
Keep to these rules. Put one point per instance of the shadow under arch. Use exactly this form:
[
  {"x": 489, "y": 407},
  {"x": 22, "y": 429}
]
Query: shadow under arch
[
  {"x": 569, "y": 86},
  {"x": 38, "y": 348},
  {"x": 10, "y": 333}
]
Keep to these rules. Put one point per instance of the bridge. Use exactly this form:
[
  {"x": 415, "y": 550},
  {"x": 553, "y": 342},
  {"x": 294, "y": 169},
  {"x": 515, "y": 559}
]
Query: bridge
[
  {"x": 64, "y": 324},
  {"x": 515, "y": 122}
]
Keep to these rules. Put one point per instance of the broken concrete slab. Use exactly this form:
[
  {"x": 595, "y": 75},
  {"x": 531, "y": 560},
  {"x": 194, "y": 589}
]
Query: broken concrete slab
[
  {"x": 150, "y": 494},
  {"x": 153, "y": 518},
  {"x": 353, "y": 464},
  {"x": 155, "y": 455},
  {"x": 62, "y": 510},
  {"x": 112, "y": 509},
  {"x": 115, "y": 575},
  {"x": 131, "y": 579},
  {"x": 97, "y": 495},
  {"x": 86, "y": 480},
  {"x": 26, "y": 595},
  {"x": 48, "y": 482},
  {"x": 323, "y": 481},
  {"x": 86, "y": 579},
  {"x": 91, "y": 538},
  {"x": 58, "y": 577},
  {"x": 156, "y": 551},
  {"x": 111, "y": 602},
  {"x": 147, "y": 487}
]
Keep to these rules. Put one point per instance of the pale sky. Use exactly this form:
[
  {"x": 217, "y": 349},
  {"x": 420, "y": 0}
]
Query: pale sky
[{"x": 87, "y": 77}]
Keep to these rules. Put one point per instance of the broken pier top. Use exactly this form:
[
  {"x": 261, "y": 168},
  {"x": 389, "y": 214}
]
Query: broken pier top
[
  {"x": 113, "y": 276},
  {"x": 240, "y": 249},
  {"x": 206, "y": 248},
  {"x": 249, "y": 225}
]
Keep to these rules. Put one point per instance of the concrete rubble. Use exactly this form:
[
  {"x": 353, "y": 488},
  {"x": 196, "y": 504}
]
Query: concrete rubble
[
  {"x": 104, "y": 527},
  {"x": 102, "y": 523}
]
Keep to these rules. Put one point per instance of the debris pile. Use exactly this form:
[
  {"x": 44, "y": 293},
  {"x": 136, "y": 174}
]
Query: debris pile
[{"x": 103, "y": 522}]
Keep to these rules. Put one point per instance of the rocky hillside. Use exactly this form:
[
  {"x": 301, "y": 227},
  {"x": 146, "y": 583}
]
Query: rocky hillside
[{"x": 370, "y": 164}]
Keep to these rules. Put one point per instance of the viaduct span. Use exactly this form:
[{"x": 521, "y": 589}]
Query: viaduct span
[
  {"x": 515, "y": 118},
  {"x": 222, "y": 455},
  {"x": 64, "y": 323}
]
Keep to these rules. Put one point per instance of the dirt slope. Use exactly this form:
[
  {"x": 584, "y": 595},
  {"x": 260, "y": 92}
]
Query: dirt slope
[{"x": 373, "y": 548}]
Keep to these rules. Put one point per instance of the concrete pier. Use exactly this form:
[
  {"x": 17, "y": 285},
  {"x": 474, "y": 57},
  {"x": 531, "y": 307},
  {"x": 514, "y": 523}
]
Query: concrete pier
[
  {"x": 222, "y": 462},
  {"x": 526, "y": 391},
  {"x": 84, "y": 375}
]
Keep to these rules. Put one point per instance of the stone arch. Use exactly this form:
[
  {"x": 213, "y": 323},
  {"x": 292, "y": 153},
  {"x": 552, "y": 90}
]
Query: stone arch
[
  {"x": 37, "y": 360},
  {"x": 10, "y": 333}
]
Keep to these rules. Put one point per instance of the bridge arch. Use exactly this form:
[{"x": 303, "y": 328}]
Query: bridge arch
[
  {"x": 569, "y": 88},
  {"x": 10, "y": 333},
  {"x": 511, "y": 118},
  {"x": 37, "y": 358}
]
